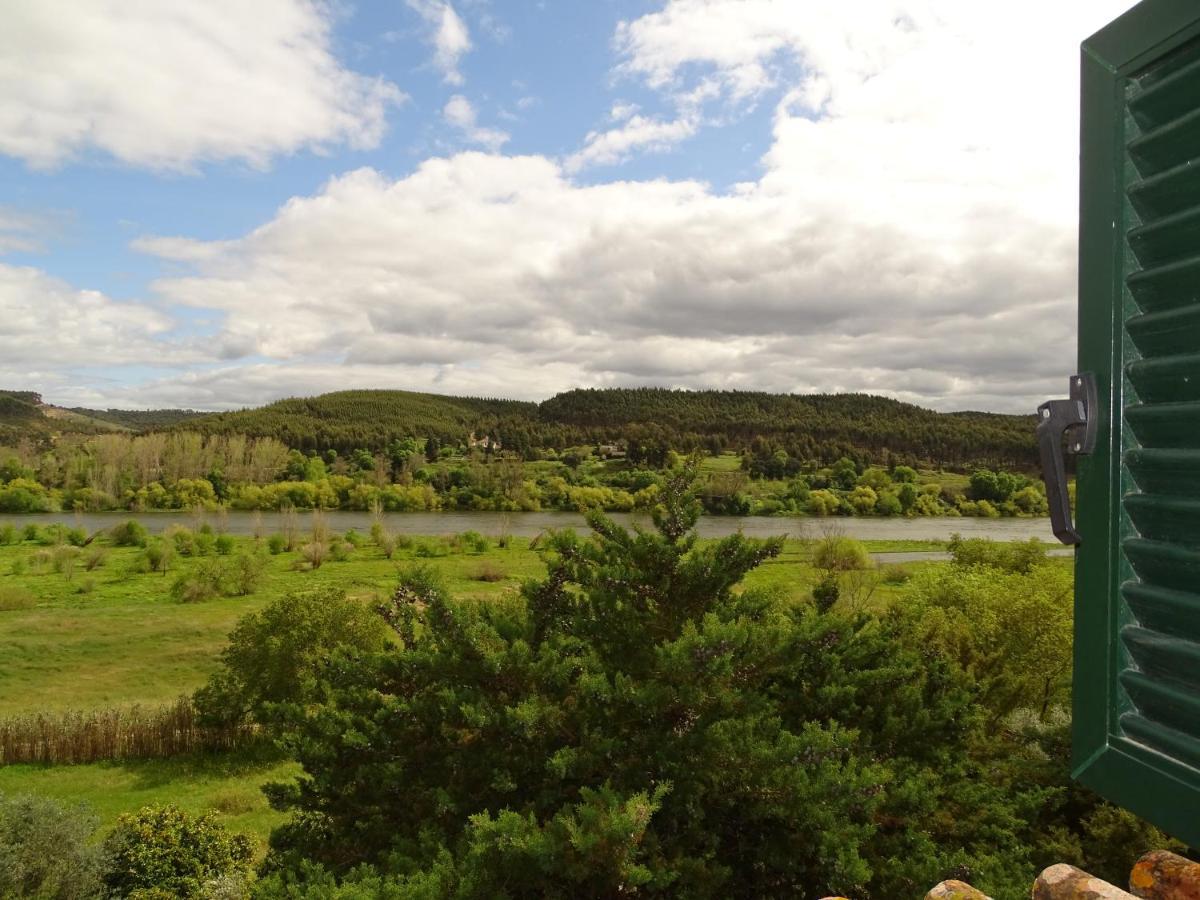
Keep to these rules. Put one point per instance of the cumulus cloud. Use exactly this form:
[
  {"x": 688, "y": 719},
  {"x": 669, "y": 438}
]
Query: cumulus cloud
[
  {"x": 448, "y": 34},
  {"x": 48, "y": 323},
  {"x": 635, "y": 133},
  {"x": 167, "y": 84},
  {"x": 459, "y": 113},
  {"x": 911, "y": 233}
]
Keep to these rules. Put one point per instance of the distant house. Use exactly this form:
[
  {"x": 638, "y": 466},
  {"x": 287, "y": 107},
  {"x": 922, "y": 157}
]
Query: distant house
[
  {"x": 612, "y": 450},
  {"x": 486, "y": 443}
]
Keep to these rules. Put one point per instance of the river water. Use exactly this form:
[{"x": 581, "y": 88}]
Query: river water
[{"x": 530, "y": 524}]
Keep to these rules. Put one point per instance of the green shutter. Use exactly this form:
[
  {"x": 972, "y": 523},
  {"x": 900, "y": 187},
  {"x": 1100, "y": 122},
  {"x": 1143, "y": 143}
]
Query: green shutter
[{"x": 1137, "y": 646}]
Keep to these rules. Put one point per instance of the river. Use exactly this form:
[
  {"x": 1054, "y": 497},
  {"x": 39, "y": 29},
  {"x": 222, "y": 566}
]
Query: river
[{"x": 529, "y": 524}]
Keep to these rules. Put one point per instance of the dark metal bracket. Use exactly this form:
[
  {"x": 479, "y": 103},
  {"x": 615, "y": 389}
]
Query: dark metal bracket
[{"x": 1066, "y": 426}]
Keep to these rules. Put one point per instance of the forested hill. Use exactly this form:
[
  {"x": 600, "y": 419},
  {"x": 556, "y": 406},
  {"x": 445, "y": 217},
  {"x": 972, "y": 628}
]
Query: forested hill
[
  {"x": 808, "y": 426},
  {"x": 348, "y": 420},
  {"x": 817, "y": 427}
]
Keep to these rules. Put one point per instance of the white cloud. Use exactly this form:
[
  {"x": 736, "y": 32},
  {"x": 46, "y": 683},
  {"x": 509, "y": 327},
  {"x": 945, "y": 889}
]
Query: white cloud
[
  {"x": 459, "y": 113},
  {"x": 48, "y": 323},
  {"x": 167, "y": 84},
  {"x": 448, "y": 34},
  {"x": 911, "y": 233},
  {"x": 636, "y": 133}
]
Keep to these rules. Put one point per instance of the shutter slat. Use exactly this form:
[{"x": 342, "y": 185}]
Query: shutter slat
[
  {"x": 1168, "y": 286},
  {"x": 1168, "y": 659},
  {"x": 1167, "y": 239},
  {"x": 1165, "y": 518},
  {"x": 1164, "y": 740},
  {"x": 1164, "y": 98},
  {"x": 1166, "y": 333},
  {"x": 1176, "y": 707},
  {"x": 1171, "y": 612},
  {"x": 1167, "y": 192},
  {"x": 1165, "y": 471},
  {"x": 1168, "y": 378},
  {"x": 1164, "y": 424},
  {"x": 1169, "y": 146},
  {"x": 1163, "y": 564}
]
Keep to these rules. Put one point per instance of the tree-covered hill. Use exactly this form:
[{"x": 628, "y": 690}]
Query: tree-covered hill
[
  {"x": 348, "y": 420},
  {"x": 809, "y": 426}
]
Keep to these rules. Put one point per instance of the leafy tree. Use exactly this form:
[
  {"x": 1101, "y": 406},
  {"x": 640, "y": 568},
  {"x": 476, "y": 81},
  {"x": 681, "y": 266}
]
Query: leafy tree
[
  {"x": 166, "y": 852},
  {"x": 47, "y": 851},
  {"x": 633, "y": 722},
  {"x": 278, "y": 654}
]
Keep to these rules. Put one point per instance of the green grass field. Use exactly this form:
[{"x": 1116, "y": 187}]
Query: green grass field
[{"x": 126, "y": 641}]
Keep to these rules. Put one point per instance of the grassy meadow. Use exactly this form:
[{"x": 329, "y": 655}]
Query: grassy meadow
[{"x": 115, "y": 637}]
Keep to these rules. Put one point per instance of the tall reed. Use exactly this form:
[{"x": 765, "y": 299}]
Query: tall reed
[{"x": 77, "y": 736}]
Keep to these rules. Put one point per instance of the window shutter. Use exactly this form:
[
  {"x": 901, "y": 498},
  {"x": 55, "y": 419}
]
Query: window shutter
[{"x": 1137, "y": 604}]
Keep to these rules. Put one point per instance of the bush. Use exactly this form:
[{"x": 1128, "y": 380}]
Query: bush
[
  {"x": 167, "y": 850},
  {"x": 276, "y": 544},
  {"x": 183, "y": 540},
  {"x": 86, "y": 586},
  {"x": 200, "y": 584},
  {"x": 837, "y": 553},
  {"x": 314, "y": 553},
  {"x": 633, "y": 723},
  {"x": 46, "y": 850},
  {"x": 894, "y": 574},
  {"x": 158, "y": 555},
  {"x": 244, "y": 574},
  {"x": 826, "y": 592},
  {"x": 31, "y": 533},
  {"x": 224, "y": 544},
  {"x": 354, "y": 539},
  {"x": 13, "y": 597},
  {"x": 94, "y": 558},
  {"x": 475, "y": 542},
  {"x": 63, "y": 559},
  {"x": 275, "y": 655},
  {"x": 8, "y": 535},
  {"x": 340, "y": 551},
  {"x": 488, "y": 571},
  {"x": 129, "y": 534}
]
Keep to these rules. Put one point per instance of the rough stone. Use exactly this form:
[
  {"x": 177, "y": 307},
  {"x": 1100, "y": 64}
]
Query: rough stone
[
  {"x": 1162, "y": 875},
  {"x": 1063, "y": 882},
  {"x": 955, "y": 890}
]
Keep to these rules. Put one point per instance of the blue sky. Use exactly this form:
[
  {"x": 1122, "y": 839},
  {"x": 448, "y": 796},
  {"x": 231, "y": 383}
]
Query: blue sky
[{"x": 220, "y": 205}]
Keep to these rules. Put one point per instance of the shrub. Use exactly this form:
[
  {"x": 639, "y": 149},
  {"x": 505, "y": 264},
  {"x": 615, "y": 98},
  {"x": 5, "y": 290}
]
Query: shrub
[
  {"x": 488, "y": 571},
  {"x": 314, "y": 553},
  {"x": 76, "y": 537},
  {"x": 276, "y": 544},
  {"x": 19, "y": 566},
  {"x": 837, "y": 553},
  {"x": 826, "y": 592},
  {"x": 94, "y": 558},
  {"x": 46, "y": 850},
  {"x": 244, "y": 574},
  {"x": 86, "y": 586},
  {"x": 206, "y": 542},
  {"x": 13, "y": 597},
  {"x": 159, "y": 555},
  {"x": 200, "y": 584},
  {"x": 63, "y": 559},
  {"x": 475, "y": 542},
  {"x": 31, "y": 533},
  {"x": 354, "y": 539},
  {"x": 165, "y": 849},
  {"x": 633, "y": 723},
  {"x": 183, "y": 540},
  {"x": 340, "y": 551},
  {"x": 129, "y": 534},
  {"x": 274, "y": 655},
  {"x": 224, "y": 544},
  {"x": 8, "y": 535},
  {"x": 894, "y": 574}
]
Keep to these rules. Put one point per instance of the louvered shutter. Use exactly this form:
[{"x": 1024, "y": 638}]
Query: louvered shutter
[{"x": 1137, "y": 647}]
